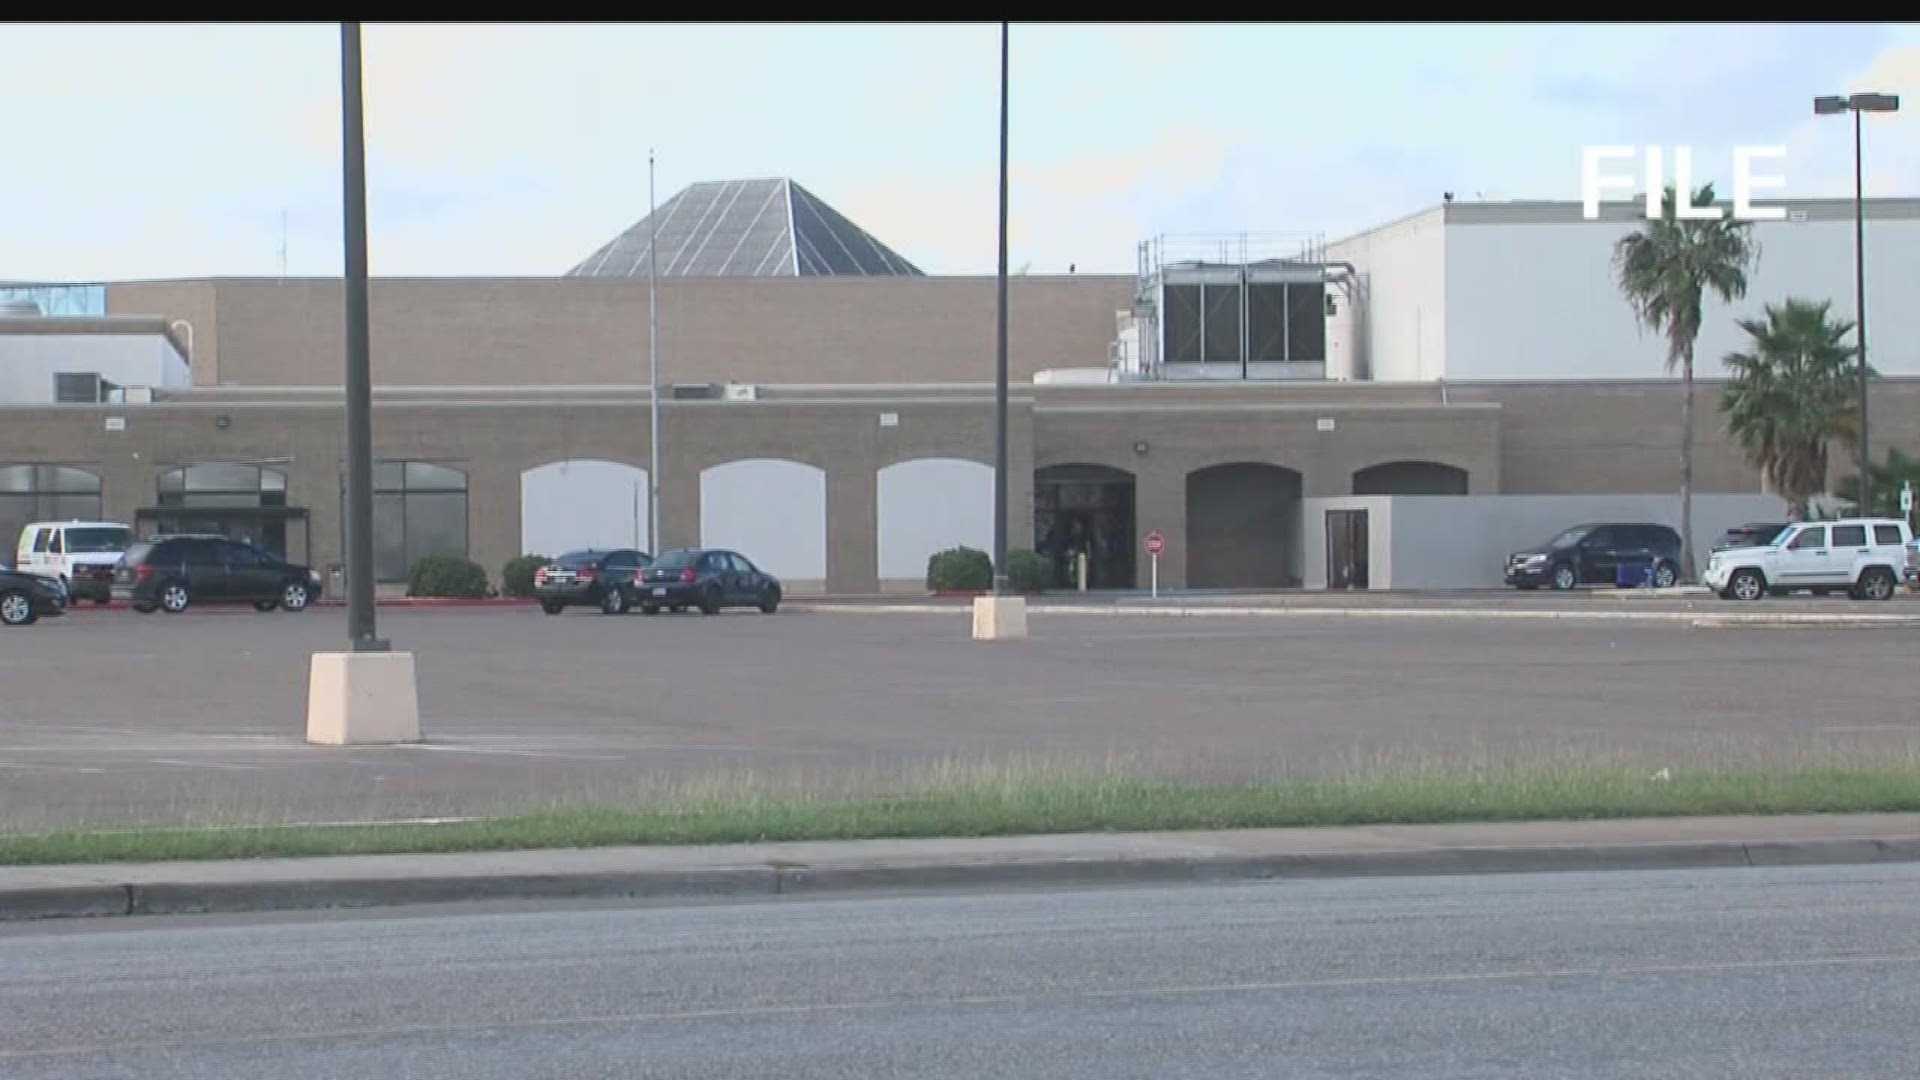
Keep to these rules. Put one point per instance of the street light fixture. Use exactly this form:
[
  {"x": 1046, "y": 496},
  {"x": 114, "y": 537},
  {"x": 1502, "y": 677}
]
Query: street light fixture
[{"x": 1857, "y": 104}]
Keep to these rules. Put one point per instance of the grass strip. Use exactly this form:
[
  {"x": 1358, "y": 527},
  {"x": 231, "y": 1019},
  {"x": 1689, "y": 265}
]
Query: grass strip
[{"x": 998, "y": 803}]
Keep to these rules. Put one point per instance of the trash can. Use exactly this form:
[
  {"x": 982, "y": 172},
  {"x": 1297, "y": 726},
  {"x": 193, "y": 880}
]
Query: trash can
[{"x": 1634, "y": 574}]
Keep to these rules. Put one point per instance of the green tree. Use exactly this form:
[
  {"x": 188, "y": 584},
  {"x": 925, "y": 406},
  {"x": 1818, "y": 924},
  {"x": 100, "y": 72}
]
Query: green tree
[
  {"x": 1792, "y": 392},
  {"x": 1665, "y": 270},
  {"x": 1888, "y": 476}
]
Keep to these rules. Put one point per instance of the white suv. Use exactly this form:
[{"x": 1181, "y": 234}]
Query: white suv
[{"x": 1865, "y": 557}]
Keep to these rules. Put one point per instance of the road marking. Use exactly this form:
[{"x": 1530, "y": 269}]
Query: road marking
[
  {"x": 896, "y": 1003},
  {"x": 48, "y": 768},
  {"x": 201, "y": 764},
  {"x": 502, "y": 751}
]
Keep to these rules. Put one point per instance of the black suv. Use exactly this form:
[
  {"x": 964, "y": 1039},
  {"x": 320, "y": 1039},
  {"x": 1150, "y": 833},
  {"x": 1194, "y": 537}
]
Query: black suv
[
  {"x": 170, "y": 572},
  {"x": 26, "y": 598},
  {"x": 592, "y": 578},
  {"x": 1595, "y": 554}
]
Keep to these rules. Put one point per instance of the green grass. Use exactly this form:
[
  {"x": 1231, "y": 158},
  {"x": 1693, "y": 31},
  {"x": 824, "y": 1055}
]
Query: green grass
[{"x": 999, "y": 801}]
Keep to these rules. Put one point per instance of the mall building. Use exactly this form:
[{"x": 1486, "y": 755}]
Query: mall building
[{"x": 1392, "y": 409}]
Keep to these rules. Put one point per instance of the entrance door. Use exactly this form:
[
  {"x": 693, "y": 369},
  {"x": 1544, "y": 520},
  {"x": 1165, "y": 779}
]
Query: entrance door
[{"x": 1346, "y": 549}]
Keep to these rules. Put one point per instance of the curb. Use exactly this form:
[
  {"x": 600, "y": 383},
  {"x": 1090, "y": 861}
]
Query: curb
[
  {"x": 787, "y": 878},
  {"x": 1855, "y": 621}
]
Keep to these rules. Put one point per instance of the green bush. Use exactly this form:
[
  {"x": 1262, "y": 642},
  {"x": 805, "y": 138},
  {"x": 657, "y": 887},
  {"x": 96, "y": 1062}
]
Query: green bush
[
  {"x": 1028, "y": 572},
  {"x": 447, "y": 575},
  {"x": 516, "y": 578},
  {"x": 961, "y": 569}
]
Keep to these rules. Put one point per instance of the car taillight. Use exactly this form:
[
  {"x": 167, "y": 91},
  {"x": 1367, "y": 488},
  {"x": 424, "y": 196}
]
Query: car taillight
[
  {"x": 540, "y": 576},
  {"x": 143, "y": 571},
  {"x": 585, "y": 573},
  {"x": 639, "y": 576},
  {"x": 686, "y": 574}
]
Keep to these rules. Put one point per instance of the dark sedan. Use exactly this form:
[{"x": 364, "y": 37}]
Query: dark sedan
[
  {"x": 27, "y": 598},
  {"x": 704, "y": 578},
  {"x": 589, "y": 578}
]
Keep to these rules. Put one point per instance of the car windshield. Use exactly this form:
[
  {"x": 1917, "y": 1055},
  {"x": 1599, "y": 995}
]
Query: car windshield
[
  {"x": 573, "y": 560},
  {"x": 1570, "y": 537},
  {"x": 137, "y": 552},
  {"x": 673, "y": 560},
  {"x": 103, "y": 539}
]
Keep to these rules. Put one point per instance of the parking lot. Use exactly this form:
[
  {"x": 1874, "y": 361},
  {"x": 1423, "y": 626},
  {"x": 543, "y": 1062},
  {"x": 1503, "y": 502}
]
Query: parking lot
[{"x": 109, "y": 715}]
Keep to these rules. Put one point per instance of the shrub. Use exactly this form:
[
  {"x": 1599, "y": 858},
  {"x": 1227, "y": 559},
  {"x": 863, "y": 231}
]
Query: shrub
[
  {"x": 1027, "y": 571},
  {"x": 961, "y": 569},
  {"x": 516, "y": 578},
  {"x": 447, "y": 575}
]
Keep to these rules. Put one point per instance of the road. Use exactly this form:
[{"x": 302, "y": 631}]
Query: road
[
  {"x": 1748, "y": 974},
  {"x": 112, "y": 716}
]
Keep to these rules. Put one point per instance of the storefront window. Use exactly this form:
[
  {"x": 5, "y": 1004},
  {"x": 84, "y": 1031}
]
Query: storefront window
[{"x": 30, "y": 493}]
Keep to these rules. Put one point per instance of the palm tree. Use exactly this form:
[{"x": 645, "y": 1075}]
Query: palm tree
[
  {"x": 1792, "y": 392},
  {"x": 1665, "y": 270},
  {"x": 1898, "y": 470}
]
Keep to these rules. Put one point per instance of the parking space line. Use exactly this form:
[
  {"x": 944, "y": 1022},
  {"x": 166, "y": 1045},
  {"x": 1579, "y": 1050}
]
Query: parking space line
[
  {"x": 201, "y": 764},
  {"x": 48, "y": 768}
]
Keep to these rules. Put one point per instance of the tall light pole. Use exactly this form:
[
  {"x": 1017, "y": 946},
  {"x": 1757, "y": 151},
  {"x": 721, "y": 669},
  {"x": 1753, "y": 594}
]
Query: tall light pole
[
  {"x": 653, "y": 357},
  {"x": 360, "y": 611},
  {"x": 1000, "y": 358},
  {"x": 1857, "y": 104}
]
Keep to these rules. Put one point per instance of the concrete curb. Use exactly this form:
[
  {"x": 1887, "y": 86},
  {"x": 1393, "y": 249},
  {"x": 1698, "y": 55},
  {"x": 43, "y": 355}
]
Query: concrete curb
[
  {"x": 1825, "y": 619},
  {"x": 792, "y": 878}
]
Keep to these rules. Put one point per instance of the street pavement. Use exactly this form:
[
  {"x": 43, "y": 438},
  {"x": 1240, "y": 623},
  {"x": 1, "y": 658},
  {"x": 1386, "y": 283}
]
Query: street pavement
[
  {"x": 1775, "y": 974},
  {"x": 112, "y": 717}
]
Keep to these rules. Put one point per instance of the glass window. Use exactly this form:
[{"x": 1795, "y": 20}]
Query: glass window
[
  {"x": 741, "y": 565},
  {"x": 619, "y": 560},
  {"x": 199, "y": 553},
  {"x": 98, "y": 539},
  {"x": 1886, "y": 534},
  {"x": 1849, "y": 536},
  {"x": 1570, "y": 537},
  {"x": 674, "y": 560},
  {"x": 214, "y": 485},
  {"x": 1809, "y": 538},
  {"x": 41, "y": 540},
  {"x": 57, "y": 545},
  {"x": 419, "y": 509},
  {"x": 240, "y": 556},
  {"x": 30, "y": 493}
]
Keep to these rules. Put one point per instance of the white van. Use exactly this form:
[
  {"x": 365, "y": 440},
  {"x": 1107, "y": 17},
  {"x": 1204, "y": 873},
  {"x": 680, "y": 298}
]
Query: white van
[{"x": 81, "y": 554}]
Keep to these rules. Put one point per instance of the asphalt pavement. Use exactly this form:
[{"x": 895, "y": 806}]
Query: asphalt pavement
[
  {"x": 1780, "y": 974},
  {"x": 113, "y": 717}
]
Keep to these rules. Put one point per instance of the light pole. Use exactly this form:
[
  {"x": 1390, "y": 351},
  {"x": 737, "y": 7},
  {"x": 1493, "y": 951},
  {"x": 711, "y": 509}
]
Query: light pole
[
  {"x": 653, "y": 357},
  {"x": 1857, "y": 104},
  {"x": 1000, "y": 356},
  {"x": 360, "y": 612}
]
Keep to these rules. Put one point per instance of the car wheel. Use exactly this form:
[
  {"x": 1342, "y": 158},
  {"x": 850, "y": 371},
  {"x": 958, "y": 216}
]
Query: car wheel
[
  {"x": 770, "y": 603},
  {"x": 1564, "y": 578},
  {"x": 1747, "y": 585},
  {"x": 1877, "y": 584},
  {"x": 175, "y": 597},
  {"x": 649, "y": 609},
  {"x": 1664, "y": 575},
  {"x": 552, "y": 608},
  {"x": 295, "y": 596},
  {"x": 265, "y": 605},
  {"x": 710, "y": 602},
  {"x": 613, "y": 602},
  {"x": 16, "y": 608}
]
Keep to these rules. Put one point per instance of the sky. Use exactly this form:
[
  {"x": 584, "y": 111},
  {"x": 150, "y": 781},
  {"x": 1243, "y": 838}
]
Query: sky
[{"x": 184, "y": 150}]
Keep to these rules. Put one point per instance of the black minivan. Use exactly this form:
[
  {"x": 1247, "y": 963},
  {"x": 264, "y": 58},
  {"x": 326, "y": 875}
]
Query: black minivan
[
  {"x": 168, "y": 573},
  {"x": 1594, "y": 554}
]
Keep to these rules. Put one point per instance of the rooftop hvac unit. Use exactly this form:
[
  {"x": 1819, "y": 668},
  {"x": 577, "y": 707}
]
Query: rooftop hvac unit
[
  {"x": 742, "y": 392},
  {"x": 139, "y": 395},
  {"x": 694, "y": 392}
]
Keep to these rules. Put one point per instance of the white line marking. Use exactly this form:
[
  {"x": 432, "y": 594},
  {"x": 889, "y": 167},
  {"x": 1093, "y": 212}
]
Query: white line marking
[{"x": 201, "y": 764}]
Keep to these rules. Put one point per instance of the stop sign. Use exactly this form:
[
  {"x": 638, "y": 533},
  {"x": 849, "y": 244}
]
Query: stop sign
[{"x": 1156, "y": 543}]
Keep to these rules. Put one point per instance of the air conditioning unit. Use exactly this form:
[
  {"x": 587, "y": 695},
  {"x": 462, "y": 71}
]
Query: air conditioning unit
[{"x": 742, "y": 392}]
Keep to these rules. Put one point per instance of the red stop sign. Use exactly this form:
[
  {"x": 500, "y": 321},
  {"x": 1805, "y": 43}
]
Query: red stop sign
[{"x": 1156, "y": 543}]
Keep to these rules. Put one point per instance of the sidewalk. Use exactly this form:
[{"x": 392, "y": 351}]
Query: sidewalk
[{"x": 1063, "y": 861}]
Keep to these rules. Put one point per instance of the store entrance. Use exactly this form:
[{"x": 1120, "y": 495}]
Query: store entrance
[{"x": 1085, "y": 509}]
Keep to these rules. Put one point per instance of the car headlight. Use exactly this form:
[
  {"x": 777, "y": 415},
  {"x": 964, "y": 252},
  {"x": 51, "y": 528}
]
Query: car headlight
[{"x": 1536, "y": 560}]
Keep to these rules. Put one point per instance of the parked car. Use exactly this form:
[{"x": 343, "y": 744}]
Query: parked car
[
  {"x": 594, "y": 578},
  {"x": 706, "y": 578},
  {"x": 168, "y": 573},
  {"x": 1863, "y": 557},
  {"x": 1592, "y": 554},
  {"x": 81, "y": 554},
  {"x": 27, "y": 598},
  {"x": 1752, "y": 534}
]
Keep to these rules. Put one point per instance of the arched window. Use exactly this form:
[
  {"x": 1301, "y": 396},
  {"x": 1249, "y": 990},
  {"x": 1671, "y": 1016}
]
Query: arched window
[
  {"x": 222, "y": 484},
  {"x": 43, "y": 493},
  {"x": 419, "y": 509}
]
